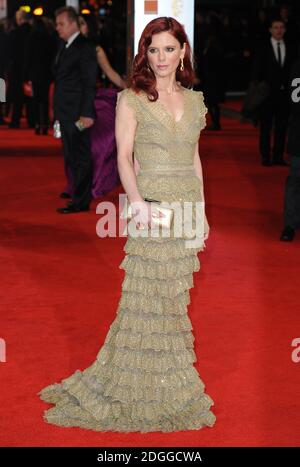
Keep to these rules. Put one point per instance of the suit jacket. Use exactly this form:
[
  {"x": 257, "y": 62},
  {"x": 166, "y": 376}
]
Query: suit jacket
[
  {"x": 4, "y": 53},
  {"x": 266, "y": 67},
  {"x": 18, "y": 40},
  {"x": 39, "y": 55},
  {"x": 293, "y": 147},
  {"x": 75, "y": 81}
]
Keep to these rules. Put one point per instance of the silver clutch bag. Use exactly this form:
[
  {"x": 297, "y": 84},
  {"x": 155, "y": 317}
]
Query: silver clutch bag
[{"x": 165, "y": 221}]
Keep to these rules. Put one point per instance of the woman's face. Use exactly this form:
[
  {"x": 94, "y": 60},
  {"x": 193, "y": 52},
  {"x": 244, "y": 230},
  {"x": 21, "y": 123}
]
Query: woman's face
[
  {"x": 164, "y": 54},
  {"x": 83, "y": 27}
]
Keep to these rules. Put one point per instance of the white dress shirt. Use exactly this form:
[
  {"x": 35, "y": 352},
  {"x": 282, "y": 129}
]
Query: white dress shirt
[
  {"x": 274, "y": 43},
  {"x": 72, "y": 38}
]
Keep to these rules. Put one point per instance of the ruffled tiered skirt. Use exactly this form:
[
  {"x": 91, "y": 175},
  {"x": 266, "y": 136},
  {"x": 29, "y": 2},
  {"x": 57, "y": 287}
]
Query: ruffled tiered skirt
[{"x": 143, "y": 378}]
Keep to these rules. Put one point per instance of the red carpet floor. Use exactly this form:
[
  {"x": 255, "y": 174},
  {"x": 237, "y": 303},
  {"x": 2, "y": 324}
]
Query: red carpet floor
[{"x": 60, "y": 286}]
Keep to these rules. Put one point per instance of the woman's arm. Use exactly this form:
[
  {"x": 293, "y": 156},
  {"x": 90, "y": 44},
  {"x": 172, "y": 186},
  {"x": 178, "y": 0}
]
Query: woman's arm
[
  {"x": 107, "y": 68},
  {"x": 126, "y": 125}
]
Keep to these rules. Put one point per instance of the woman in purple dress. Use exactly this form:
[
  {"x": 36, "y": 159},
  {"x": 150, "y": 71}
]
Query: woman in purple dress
[{"x": 103, "y": 145}]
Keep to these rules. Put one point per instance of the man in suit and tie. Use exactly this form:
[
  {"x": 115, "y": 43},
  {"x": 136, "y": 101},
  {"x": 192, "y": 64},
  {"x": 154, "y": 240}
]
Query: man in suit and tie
[
  {"x": 272, "y": 65},
  {"x": 74, "y": 93}
]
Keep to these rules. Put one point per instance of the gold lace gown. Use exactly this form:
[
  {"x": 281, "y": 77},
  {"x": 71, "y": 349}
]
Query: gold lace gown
[{"x": 143, "y": 378}]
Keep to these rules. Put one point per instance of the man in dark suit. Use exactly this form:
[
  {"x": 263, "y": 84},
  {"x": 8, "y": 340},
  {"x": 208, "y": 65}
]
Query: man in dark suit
[
  {"x": 292, "y": 185},
  {"x": 18, "y": 39},
  {"x": 272, "y": 65},
  {"x": 74, "y": 93}
]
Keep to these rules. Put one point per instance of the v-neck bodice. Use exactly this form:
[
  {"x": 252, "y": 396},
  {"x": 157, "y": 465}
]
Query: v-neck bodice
[
  {"x": 165, "y": 109},
  {"x": 162, "y": 143}
]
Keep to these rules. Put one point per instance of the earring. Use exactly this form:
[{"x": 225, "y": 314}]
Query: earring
[{"x": 181, "y": 65}]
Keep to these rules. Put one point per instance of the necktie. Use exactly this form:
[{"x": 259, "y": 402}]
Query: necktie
[
  {"x": 279, "y": 54},
  {"x": 62, "y": 49}
]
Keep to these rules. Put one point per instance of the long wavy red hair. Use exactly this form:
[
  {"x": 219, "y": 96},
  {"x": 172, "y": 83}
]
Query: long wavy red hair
[{"x": 142, "y": 78}]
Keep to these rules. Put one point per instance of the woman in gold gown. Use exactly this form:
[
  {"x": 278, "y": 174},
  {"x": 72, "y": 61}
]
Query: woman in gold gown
[{"x": 143, "y": 378}]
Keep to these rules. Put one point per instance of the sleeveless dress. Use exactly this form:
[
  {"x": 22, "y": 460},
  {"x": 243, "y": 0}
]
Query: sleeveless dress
[{"x": 143, "y": 378}]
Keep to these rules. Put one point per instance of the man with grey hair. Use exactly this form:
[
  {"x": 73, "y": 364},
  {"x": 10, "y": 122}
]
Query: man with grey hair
[{"x": 74, "y": 94}]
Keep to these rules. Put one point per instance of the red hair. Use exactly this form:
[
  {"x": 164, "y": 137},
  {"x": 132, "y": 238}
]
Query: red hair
[{"x": 144, "y": 79}]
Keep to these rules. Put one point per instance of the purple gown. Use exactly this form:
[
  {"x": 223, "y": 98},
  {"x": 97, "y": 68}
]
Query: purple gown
[{"x": 103, "y": 145}]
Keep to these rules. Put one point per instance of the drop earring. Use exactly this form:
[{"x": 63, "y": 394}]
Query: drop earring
[{"x": 181, "y": 65}]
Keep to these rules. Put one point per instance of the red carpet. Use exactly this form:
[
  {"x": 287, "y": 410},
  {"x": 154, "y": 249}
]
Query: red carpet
[
  {"x": 233, "y": 104},
  {"x": 61, "y": 284}
]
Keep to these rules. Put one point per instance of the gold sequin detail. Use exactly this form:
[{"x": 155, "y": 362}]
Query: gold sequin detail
[{"x": 143, "y": 378}]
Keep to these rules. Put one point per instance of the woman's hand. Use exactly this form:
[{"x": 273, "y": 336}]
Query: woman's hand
[{"x": 142, "y": 212}]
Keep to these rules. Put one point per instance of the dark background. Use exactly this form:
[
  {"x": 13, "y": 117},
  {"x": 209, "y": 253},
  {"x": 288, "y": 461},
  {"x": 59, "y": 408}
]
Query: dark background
[
  {"x": 239, "y": 42},
  {"x": 120, "y": 5}
]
